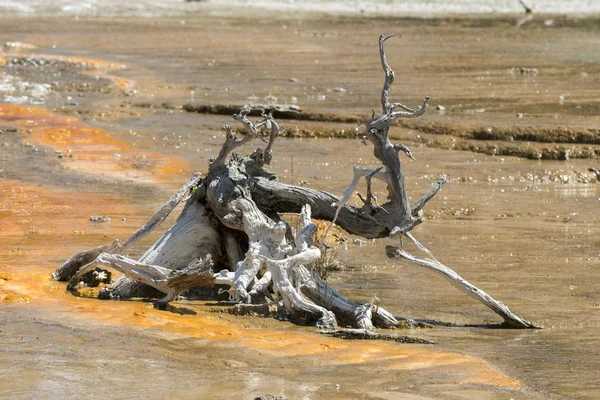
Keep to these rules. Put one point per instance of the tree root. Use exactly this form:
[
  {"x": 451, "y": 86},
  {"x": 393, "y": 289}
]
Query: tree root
[
  {"x": 78, "y": 260},
  {"x": 348, "y": 313},
  {"x": 171, "y": 282}
]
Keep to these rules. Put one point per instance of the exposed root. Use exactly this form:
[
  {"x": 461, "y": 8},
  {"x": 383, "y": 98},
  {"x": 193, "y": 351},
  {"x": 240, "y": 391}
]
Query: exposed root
[
  {"x": 348, "y": 313},
  {"x": 279, "y": 258},
  {"x": 78, "y": 260},
  {"x": 170, "y": 282},
  {"x": 511, "y": 320}
]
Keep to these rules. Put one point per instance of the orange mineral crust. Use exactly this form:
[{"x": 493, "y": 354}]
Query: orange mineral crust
[{"x": 87, "y": 149}]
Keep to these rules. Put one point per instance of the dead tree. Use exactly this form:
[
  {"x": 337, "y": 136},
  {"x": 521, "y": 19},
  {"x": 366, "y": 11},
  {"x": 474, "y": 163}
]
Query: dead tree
[{"x": 231, "y": 232}]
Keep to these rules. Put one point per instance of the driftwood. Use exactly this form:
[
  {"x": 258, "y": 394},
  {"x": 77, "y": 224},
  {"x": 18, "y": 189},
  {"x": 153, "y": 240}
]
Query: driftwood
[{"x": 230, "y": 231}]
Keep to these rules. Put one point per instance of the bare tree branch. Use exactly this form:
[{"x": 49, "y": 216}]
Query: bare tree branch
[
  {"x": 412, "y": 113},
  {"x": 389, "y": 76},
  {"x": 368, "y": 201},
  {"x": 400, "y": 218},
  {"x": 163, "y": 212},
  {"x": 232, "y": 141},
  {"x": 406, "y": 150},
  {"x": 429, "y": 195},
  {"x": 511, "y": 320},
  {"x": 171, "y": 282},
  {"x": 526, "y": 7}
]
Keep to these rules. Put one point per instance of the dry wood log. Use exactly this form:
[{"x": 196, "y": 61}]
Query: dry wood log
[{"x": 194, "y": 235}]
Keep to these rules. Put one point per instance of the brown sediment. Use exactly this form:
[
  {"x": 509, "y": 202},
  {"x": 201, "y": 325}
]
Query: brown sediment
[
  {"x": 80, "y": 62},
  {"x": 222, "y": 109},
  {"x": 533, "y": 142},
  {"x": 538, "y": 133},
  {"x": 538, "y": 142},
  {"x": 541, "y": 149},
  {"x": 88, "y": 149},
  {"x": 530, "y": 150}
]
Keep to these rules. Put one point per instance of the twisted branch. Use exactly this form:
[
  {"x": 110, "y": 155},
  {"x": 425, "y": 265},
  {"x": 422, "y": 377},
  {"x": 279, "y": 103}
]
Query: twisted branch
[
  {"x": 389, "y": 76},
  {"x": 232, "y": 141},
  {"x": 429, "y": 195}
]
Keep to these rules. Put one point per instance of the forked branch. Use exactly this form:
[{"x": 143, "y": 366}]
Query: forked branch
[
  {"x": 399, "y": 219},
  {"x": 429, "y": 195},
  {"x": 232, "y": 141},
  {"x": 382, "y": 123}
]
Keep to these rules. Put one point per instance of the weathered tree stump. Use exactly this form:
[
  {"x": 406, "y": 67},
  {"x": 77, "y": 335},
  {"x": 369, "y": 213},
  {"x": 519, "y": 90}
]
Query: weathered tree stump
[{"x": 230, "y": 231}]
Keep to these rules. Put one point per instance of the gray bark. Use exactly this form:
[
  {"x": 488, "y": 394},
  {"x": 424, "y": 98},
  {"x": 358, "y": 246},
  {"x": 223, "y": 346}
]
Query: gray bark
[
  {"x": 350, "y": 313},
  {"x": 193, "y": 236},
  {"x": 78, "y": 260}
]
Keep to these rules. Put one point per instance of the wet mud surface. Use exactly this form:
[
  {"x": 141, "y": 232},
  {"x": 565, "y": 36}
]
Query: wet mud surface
[{"x": 92, "y": 123}]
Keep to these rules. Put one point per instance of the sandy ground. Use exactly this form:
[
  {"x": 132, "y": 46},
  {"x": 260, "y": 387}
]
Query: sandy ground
[{"x": 98, "y": 129}]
